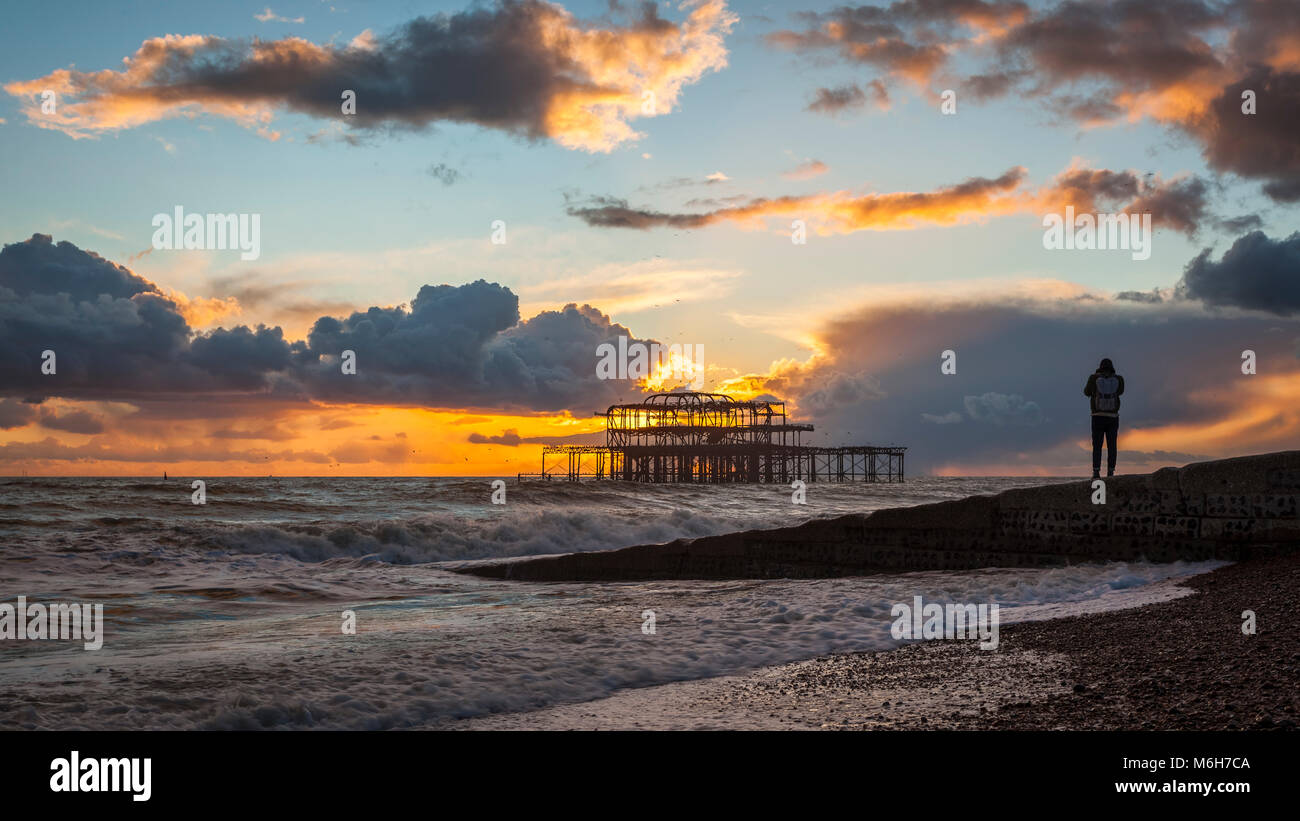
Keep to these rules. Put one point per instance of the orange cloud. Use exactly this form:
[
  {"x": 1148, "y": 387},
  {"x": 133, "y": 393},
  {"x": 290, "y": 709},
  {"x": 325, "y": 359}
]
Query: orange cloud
[
  {"x": 631, "y": 72},
  {"x": 87, "y": 103},
  {"x": 1259, "y": 413},
  {"x": 539, "y": 72},
  {"x": 200, "y": 312},
  {"x": 838, "y": 212},
  {"x": 1179, "y": 203}
]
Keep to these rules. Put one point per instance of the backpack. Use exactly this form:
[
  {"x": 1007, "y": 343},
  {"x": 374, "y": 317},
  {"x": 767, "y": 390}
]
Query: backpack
[{"x": 1107, "y": 396}]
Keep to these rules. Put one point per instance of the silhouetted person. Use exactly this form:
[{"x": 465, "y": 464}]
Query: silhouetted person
[{"x": 1103, "y": 390}]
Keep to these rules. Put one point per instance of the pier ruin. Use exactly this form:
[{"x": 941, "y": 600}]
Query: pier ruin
[{"x": 711, "y": 437}]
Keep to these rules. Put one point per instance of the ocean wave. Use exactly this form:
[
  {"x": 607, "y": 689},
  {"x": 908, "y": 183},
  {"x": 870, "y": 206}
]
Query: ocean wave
[{"x": 440, "y": 538}]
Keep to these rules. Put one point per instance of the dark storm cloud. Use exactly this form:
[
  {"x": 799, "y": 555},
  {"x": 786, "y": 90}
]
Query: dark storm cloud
[
  {"x": 39, "y": 266},
  {"x": 547, "y": 362},
  {"x": 462, "y": 346},
  {"x": 112, "y": 333},
  {"x": 1256, "y": 272},
  {"x": 1264, "y": 145},
  {"x": 116, "y": 336},
  {"x": 1021, "y": 367},
  {"x": 240, "y": 356},
  {"x": 405, "y": 352}
]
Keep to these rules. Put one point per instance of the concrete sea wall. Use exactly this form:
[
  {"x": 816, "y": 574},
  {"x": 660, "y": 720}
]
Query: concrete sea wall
[{"x": 1225, "y": 509}]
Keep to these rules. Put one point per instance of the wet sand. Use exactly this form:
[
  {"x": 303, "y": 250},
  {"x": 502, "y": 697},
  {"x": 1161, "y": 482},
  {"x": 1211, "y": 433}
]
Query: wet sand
[{"x": 1180, "y": 664}]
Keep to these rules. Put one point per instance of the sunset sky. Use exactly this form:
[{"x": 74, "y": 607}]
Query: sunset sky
[{"x": 648, "y": 162}]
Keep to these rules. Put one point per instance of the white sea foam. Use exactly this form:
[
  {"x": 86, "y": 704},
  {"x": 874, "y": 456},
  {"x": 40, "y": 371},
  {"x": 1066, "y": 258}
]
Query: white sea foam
[
  {"x": 481, "y": 646},
  {"x": 228, "y": 615}
]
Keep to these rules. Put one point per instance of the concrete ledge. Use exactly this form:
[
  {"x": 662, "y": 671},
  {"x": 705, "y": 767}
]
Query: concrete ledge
[{"x": 1226, "y": 509}]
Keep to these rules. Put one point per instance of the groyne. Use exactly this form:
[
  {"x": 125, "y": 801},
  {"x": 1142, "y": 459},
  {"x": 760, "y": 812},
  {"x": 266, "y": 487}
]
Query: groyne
[{"x": 1224, "y": 509}]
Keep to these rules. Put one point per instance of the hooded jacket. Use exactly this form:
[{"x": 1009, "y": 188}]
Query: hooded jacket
[{"x": 1090, "y": 390}]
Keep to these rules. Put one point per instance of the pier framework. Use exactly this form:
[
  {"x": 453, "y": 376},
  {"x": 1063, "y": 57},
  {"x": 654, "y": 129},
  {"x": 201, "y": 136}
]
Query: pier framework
[{"x": 711, "y": 437}]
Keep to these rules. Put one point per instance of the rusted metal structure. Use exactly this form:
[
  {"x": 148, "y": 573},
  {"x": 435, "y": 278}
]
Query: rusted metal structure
[{"x": 711, "y": 437}]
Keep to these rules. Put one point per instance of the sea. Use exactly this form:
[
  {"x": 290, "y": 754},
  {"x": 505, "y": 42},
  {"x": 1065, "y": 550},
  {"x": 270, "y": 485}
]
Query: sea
[{"x": 333, "y": 603}]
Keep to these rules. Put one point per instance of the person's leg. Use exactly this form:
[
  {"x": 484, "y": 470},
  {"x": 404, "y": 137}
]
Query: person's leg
[
  {"x": 1112, "y": 435},
  {"x": 1098, "y": 431}
]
